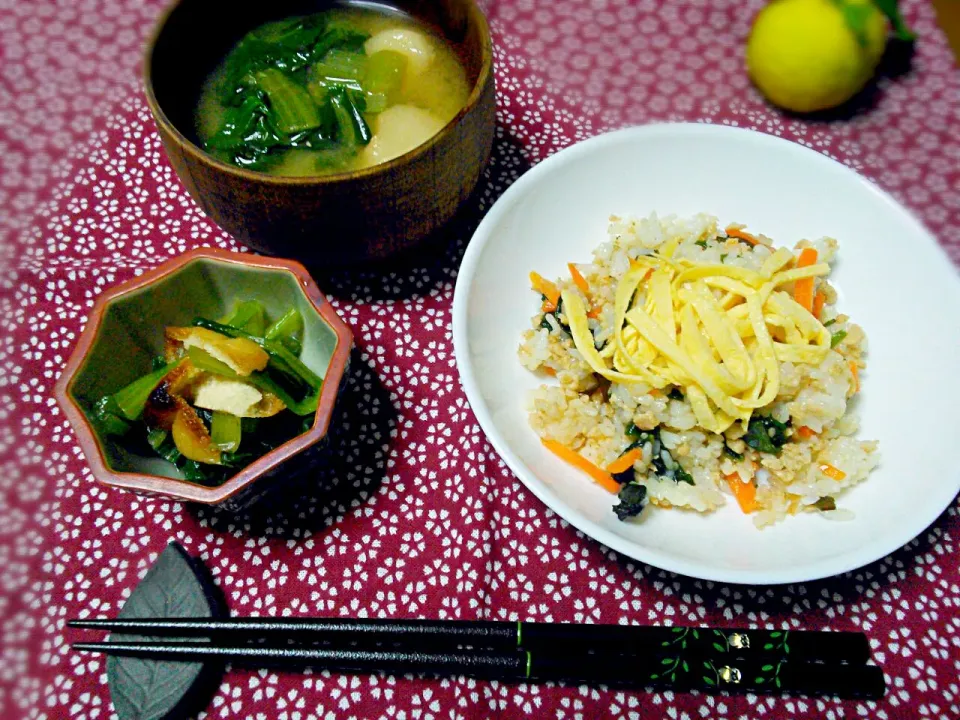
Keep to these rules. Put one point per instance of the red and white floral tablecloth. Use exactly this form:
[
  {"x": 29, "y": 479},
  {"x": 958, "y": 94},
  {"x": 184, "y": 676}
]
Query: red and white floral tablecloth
[{"x": 422, "y": 518}]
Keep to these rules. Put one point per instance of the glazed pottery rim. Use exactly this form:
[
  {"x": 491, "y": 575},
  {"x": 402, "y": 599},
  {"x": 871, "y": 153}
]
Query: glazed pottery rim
[
  {"x": 185, "y": 490},
  {"x": 473, "y": 99}
]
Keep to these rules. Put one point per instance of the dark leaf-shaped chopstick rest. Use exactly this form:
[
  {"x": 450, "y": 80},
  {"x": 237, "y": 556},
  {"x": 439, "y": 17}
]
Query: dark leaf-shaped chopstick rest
[{"x": 176, "y": 586}]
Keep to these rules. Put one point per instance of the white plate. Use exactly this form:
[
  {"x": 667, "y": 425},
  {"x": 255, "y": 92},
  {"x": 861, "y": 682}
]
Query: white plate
[{"x": 892, "y": 277}]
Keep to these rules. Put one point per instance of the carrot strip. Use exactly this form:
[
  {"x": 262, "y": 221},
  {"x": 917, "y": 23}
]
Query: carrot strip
[
  {"x": 819, "y": 299},
  {"x": 599, "y": 475},
  {"x": 549, "y": 371},
  {"x": 546, "y": 288},
  {"x": 804, "y": 432},
  {"x": 578, "y": 279},
  {"x": 595, "y": 313},
  {"x": 803, "y": 288},
  {"x": 624, "y": 462},
  {"x": 832, "y": 472},
  {"x": 744, "y": 492},
  {"x": 743, "y": 235},
  {"x": 856, "y": 376},
  {"x": 808, "y": 257}
]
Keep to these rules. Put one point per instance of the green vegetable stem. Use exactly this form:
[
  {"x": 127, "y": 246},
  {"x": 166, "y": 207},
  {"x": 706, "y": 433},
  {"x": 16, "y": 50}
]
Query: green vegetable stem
[
  {"x": 249, "y": 316},
  {"x": 288, "y": 331},
  {"x": 132, "y": 399},
  {"x": 225, "y": 431}
]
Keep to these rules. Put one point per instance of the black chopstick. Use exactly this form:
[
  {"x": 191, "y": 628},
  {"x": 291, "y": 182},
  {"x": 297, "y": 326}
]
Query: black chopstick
[
  {"x": 677, "y": 673},
  {"x": 802, "y": 645}
]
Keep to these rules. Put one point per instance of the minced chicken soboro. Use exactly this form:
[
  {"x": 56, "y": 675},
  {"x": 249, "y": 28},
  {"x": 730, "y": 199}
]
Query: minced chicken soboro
[{"x": 694, "y": 364}]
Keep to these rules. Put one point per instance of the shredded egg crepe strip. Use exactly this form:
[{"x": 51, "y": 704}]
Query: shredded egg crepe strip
[{"x": 718, "y": 332}]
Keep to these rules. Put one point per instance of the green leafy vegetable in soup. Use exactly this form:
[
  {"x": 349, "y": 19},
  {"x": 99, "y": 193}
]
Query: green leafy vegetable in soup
[
  {"x": 224, "y": 394},
  {"x": 330, "y": 92}
]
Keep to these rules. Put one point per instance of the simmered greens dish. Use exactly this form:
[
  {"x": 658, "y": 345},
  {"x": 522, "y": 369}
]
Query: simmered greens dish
[
  {"x": 329, "y": 92},
  {"x": 223, "y": 394}
]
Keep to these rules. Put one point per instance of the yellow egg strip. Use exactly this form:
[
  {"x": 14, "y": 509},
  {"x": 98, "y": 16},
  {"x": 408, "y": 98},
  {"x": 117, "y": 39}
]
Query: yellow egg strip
[
  {"x": 576, "y": 313},
  {"x": 722, "y": 333},
  {"x": 739, "y": 288},
  {"x": 633, "y": 354},
  {"x": 695, "y": 345},
  {"x": 750, "y": 277},
  {"x": 729, "y": 300},
  {"x": 705, "y": 328},
  {"x": 659, "y": 339},
  {"x": 792, "y": 335},
  {"x": 734, "y": 287},
  {"x": 668, "y": 248},
  {"x": 809, "y": 326},
  {"x": 706, "y": 417},
  {"x": 786, "y": 276},
  {"x": 766, "y": 358},
  {"x": 776, "y": 261},
  {"x": 626, "y": 290},
  {"x": 659, "y": 303},
  {"x": 813, "y": 354}
]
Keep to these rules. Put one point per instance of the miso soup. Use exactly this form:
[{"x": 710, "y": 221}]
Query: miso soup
[{"x": 335, "y": 91}]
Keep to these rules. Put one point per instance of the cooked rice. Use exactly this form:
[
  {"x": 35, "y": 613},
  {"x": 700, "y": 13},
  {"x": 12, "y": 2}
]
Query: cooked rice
[{"x": 589, "y": 414}]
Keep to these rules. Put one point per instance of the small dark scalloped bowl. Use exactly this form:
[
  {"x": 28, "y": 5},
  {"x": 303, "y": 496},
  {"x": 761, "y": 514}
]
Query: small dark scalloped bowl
[{"x": 125, "y": 331}]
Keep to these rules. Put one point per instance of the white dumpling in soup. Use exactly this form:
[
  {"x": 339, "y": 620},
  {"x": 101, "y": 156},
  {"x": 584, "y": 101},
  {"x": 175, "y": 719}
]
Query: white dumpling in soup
[
  {"x": 415, "y": 46},
  {"x": 399, "y": 129}
]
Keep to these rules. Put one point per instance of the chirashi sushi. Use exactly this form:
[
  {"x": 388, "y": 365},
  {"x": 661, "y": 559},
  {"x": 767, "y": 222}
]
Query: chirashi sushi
[{"x": 689, "y": 365}]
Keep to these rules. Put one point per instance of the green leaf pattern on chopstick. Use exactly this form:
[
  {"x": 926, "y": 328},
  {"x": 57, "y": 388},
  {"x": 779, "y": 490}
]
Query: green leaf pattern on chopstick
[
  {"x": 721, "y": 643},
  {"x": 712, "y": 675},
  {"x": 670, "y": 669},
  {"x": 778, "y": 641},
  {"x": 679, "y": 637},
  {"x": 770, "y": 674}
]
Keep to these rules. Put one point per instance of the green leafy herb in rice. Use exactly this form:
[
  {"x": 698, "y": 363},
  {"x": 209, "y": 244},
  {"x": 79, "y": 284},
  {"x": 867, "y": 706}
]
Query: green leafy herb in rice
[
  {"x": 766, "y": 434},
  {"x": 682, "y": 476},
  {"x": 837, "y": 338},
  {"x": 556, "y": 316},
  {"x": 632, "y": 500},
  {"x": 628, "y": 475},
  {"x": 701, "y": 243},
  {"x": 829, "y": 322},
  {"x": 661, "y": 461},
  {"x": 825, "y": 503},
  {"x": 638, "y": 437},
  {"x": 732, "y": 453}
]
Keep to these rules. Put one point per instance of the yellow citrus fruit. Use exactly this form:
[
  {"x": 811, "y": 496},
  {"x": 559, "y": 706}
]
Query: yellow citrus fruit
[{"x": 808, "y": 55}]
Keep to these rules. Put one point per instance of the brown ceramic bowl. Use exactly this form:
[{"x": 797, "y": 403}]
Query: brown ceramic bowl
[
  {"x": 350, "y": 217},
  {"x": 125, "y": 331}
]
